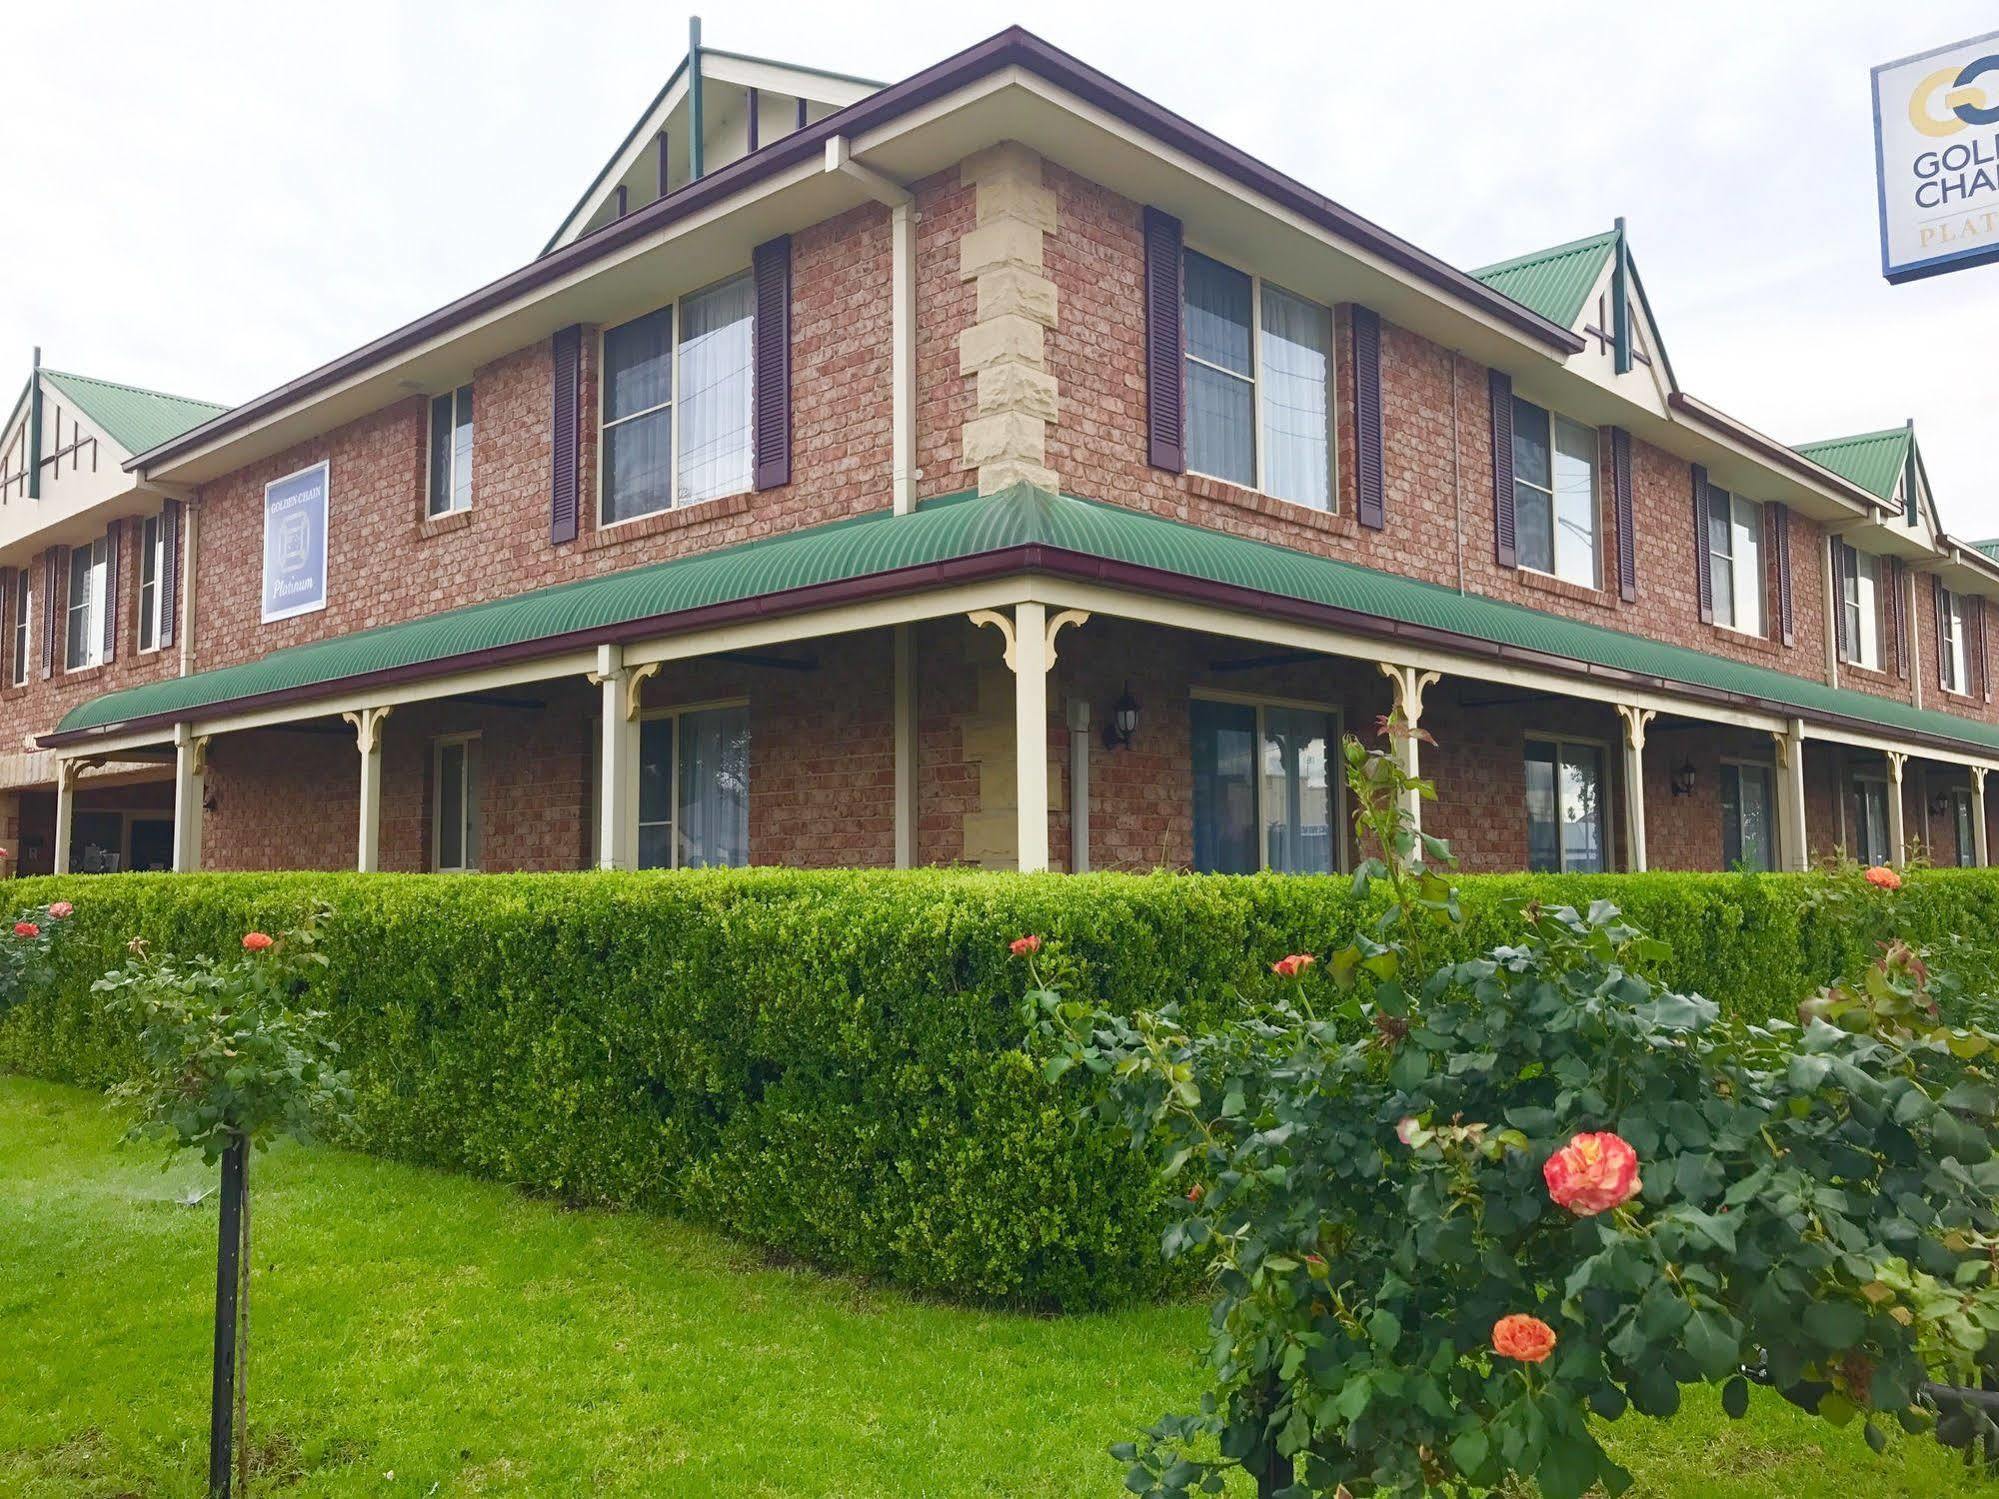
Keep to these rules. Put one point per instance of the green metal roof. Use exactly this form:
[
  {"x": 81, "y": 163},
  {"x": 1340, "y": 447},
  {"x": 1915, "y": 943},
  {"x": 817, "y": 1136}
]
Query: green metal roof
[
  {"x": 964, "y": 527},
  {"x": 1990, "y": 547},
  {"x": 1553, "y": 282},
  {"x": 135, "y": 419},
  {"x": 1873, "y": 460}
]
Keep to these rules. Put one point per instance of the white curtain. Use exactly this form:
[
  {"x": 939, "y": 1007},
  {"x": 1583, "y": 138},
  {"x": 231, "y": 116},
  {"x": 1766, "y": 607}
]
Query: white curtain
[
  {"x": 716, "y": 386},
  {"x": 1297, "y": 359},
  {"x": 714, "y": 788}
]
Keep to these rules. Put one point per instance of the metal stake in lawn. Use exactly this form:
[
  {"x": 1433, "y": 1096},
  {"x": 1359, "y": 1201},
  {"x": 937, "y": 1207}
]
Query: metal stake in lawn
[{"x": 228, "y": 1262}]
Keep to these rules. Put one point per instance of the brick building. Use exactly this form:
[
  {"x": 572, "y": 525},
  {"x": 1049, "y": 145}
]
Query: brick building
[{"x": 989, "y": 467}]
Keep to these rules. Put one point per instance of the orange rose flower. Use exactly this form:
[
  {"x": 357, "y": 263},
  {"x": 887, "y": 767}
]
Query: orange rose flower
[
  {"x": 1020, "y": 947},
  {"x": 26, "y": 929},
  {"x": 1528, "y": 1339},
  {"x": 1291, "y": 967},
  {"x": 255, "y": 942},
  {"x": 1592, "y": 1174},
  {"x": 1884, "y": 878}
]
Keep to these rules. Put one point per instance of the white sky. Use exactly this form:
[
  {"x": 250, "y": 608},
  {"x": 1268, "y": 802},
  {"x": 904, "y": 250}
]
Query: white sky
[{"x": 213, "y": 198}]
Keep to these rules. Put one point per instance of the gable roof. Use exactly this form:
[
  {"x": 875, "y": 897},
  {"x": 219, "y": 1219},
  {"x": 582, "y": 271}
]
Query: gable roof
[
  {"x": 1990, "y": 547},
  {"x": 133, "y": 418},
  {"x": 963, "y": 538},
  {"x": 1554, "y": 282},
  {"x": 1873, "y": 460}
]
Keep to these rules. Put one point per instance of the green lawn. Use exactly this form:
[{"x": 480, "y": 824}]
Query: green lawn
[{"x": 416, "y": 1333}]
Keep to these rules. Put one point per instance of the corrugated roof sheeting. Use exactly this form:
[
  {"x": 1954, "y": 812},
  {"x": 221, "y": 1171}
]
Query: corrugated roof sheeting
[
  {"x": 1873, "y": 460},
  {"x": 1553, "y": 282},
  {"x": 135, "y": 419}
]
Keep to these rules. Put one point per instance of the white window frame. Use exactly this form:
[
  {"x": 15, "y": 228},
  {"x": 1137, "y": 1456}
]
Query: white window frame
[
  {"x": 97, "y": 563},
  {"x": 1554, "y": 523},
  {"x": 22, "y": 624},
  {"x": 1863, "y": 632},
  {"x": 152, "y": 554},
  {"x": 1745, "y": 575},
  {"x": 1607, "y": 828},
  {"x": 672, "y": 406},
  {"x": 469, "y": 829},
  {"x": 676, "y": 712},
  {"x": 1951, "y": 649},
  {"x": 1963, "y": 826},
  {"x": 433, "y": 510},
  {"x": 1336, "y": 779},
  {"x": 1867, "y": 776},
  {"x": 1258, "y": 447},
  {"x": 1775, "y": 808}
]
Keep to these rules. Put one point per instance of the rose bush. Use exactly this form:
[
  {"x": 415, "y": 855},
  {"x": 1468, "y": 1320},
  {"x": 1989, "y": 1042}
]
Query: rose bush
[
  {"x": 1452, "y": 1207},
  {"x": 25, "y": 957}
]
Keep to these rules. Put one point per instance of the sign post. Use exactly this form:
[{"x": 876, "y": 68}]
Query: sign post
[{"x": 1936, "y": 158}]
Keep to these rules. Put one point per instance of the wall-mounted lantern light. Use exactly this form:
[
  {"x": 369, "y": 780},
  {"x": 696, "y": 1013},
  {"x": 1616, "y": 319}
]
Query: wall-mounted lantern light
[
  {"x": 1683, "y": 780},
  {"x": 1123, "y": 722}
]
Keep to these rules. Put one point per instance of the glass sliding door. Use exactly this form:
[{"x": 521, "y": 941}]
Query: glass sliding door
[
  {"x": 1748, "y": 825},
  {"x": 1266, "y": 788},
  {"x": 1567, "y": 807},
  {"x": 694, "y": 789}
]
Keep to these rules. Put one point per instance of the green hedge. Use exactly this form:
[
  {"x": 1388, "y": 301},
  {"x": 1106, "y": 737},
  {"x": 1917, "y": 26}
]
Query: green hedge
[{"x": 828, "y": 1063}]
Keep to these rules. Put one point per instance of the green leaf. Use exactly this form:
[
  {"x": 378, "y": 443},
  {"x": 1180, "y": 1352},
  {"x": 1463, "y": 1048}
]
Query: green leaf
[
  {"x": 1468, "y": 1451},
  {"x": 1834, "y": 1324},
  {"x": 1385, "y": 1328}
]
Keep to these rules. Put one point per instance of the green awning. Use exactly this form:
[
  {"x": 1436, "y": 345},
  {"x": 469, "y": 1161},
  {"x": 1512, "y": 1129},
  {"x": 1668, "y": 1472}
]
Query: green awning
[{"x": 945, "y": 538}]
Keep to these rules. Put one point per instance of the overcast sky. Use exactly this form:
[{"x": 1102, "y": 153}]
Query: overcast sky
[{"x": 213, "y": 198}]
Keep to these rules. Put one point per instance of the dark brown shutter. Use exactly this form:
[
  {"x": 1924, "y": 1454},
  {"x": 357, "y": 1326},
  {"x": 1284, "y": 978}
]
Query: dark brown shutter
[
  {"x": 1937, "y": 606},
  {"x": 1843, "y": 642},
  {"x": 1165, "y": 346},
  {"x": 1499, "y": 387},
  {"x": 1370, "y": 501},
  {"x": 1780, "y": 543},
  {"x": 52, "y": 574},
  {"x": 114, "y": 534},
  {"x": 1898, "y": 634},
  {"x": 565, "y": 446},
  {"x": 1703, "y": 559},
  {"x": 771, "y": 265},
  {"x": 1976, "y": 655},
  {"x": 1627, "y": 525},
  {"x": 169, "y": 583},
  {"x": 10, "y": 579}
]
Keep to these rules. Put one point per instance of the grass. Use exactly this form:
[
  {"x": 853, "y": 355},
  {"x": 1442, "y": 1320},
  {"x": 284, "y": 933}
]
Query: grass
[{"x": 416, "y": 1333}]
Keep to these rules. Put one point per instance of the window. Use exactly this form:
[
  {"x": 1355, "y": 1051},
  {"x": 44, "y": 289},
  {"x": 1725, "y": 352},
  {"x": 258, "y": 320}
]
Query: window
[
  {"x": 1951, "y": 648},
  {"x": 451, "y": 451},
  {"x": 1266, "y": 787},
  {"x": 1259, "y": 384},
  {"x": 22, "y": 634},
  {"x": 712, "y": 367},
  {"x": 1566, "y": 812},
  {"x": 152, "y": 570},
  {"x": 1867, "y": 818},
  {"x": 1554, "y": 494},
  {"x": 1748, "y": 828},
  {"x": 454, "y": 819},
  {"x": 1963, "y": 825},
  {"x": 694, "y": 788},
  {"x": 1735, "y": 555},
  {"x": 1860, "y": 599},
  {"x": 84, "y": 638}
]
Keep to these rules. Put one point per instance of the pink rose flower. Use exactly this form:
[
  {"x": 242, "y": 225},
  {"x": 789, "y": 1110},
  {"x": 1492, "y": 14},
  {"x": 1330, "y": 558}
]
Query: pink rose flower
[
  {"x": 1291, "y": 967},
  {"x": 61, "y": 909},
  {"x": 1884, "y": 878},
  {"x": 1020, "y": 947},
  {"x": 26, "y": 929},
  {"x": 1592, "y": 1174}
]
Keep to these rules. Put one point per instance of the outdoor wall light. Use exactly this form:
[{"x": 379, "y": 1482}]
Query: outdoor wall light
[
  {"x": 1683, "y": 780},
  {"x": 1123, "y": 722},
  {"x": 1940, "y": 803}
]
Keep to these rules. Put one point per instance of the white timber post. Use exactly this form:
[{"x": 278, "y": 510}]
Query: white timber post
[
  {"x": 190, "y": 791},
  {"x": 1898, "y": 849},
  {"x": 66, "y": 773},
  {"x": 905, "y": 747},
  {"x": 1410, "y": 685},
  {"x": 1635, "y": 722},
  {"x": 1030, "y": 654},
  {"x": 1979, "y": 852},
  {"x": 1791, "y": 796},
  {"x": 368, "y": 740},
  {"x": 618, "y": 828}
]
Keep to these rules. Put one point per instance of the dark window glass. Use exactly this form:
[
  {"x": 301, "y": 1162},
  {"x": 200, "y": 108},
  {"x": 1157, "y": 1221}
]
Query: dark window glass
[
  {"x": 1544, "y": 844},
  {"x": 440, "y": 454},
  {"x": 451, "y": 806},
  {"x": 1225, "y": 829}
]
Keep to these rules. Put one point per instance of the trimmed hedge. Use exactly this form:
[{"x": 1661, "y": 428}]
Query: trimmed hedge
[{"x": 828, "y": 1063}]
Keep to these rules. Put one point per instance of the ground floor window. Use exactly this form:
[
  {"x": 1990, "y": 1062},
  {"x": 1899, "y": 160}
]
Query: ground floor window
[
  {"x": 1748, "y": 821},
  {"x": 1567, "y": 806},
  {"x": 694, "y": 788},
  {"x": 1967, "y": 831},
  {"x": 1266, "y": 787},
  {"x": 454, "y": 819},
  {"x": 1867, "y": 819},
  {"x": 111, "y": 842}
]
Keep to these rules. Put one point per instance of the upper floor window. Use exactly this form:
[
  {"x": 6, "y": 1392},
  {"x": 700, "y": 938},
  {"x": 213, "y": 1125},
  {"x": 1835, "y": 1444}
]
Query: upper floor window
[
  {"x": 152, "y": 574},
  {"x": 1950, "y": 650},
  {"x": 451, "y": 451},
  {"x": 84, "y": 637},
  {"x": 1554, "y": 494},
  {"x": 1860, "y": 602},
  {"x": 1735, "y": 551},
  {"x": 676, "y": 412},
  {"x": 19, "y": 625},
  {"x": 1259, "y": 384}
]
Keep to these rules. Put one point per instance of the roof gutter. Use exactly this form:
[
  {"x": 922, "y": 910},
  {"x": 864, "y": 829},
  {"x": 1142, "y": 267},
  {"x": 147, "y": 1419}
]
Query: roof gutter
[
  {"x": 1011, "y": 48},
  {"x": 1776, "y": 452},
  {"x": 1028, "y": 557}
]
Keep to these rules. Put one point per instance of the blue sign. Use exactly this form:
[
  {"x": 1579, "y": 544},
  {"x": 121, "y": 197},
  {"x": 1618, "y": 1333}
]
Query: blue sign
[
  {"x": 295, "y": 543},
  {"x": 1936, "y": 157}
]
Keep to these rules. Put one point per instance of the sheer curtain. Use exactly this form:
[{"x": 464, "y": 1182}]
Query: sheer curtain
[
  {"x": 1297, "y": 361},
  {"x": 714, "y": 789},
  {"x": 716, "y": 361},
  {"x": 1221, "y": 404}
]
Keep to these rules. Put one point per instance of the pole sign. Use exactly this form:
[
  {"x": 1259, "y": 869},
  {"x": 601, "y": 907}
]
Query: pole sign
[
  {"x": 295, "y": 543},
  {"x": 1936, "y": 158}
]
